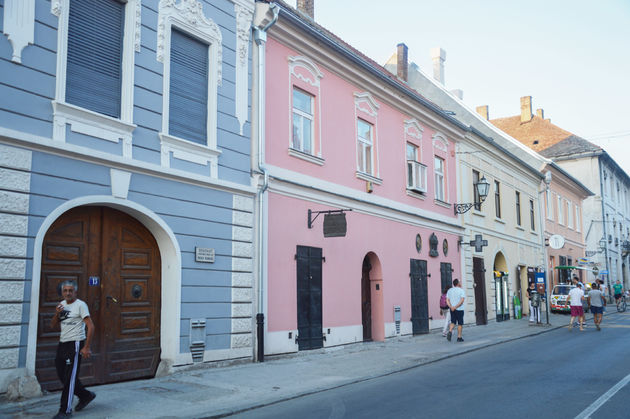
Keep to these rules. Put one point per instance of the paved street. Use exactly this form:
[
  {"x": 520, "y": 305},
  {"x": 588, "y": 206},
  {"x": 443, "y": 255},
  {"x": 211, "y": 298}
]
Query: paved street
[
  {"x": 552, "y": 375},
  {"x": 503, "y": 372}
]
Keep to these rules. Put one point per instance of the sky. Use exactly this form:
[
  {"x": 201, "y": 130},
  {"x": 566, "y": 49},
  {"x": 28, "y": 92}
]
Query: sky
[{"x": 571, "y": 56}]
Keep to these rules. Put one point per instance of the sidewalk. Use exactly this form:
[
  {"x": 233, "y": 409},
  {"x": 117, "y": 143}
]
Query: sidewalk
[{"x": 218, "y": 391}]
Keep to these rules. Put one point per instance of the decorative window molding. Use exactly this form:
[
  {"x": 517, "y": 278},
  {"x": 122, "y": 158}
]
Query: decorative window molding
[
  {"x": 188, "y": 151},
  {"x": 19, "y": 25},
  {"x": 413, "y": 129},
  {"x": 314, "y": 74},
  {"x": 305, "y": 156},
  {"x": 364, "y": 102},
  {"x": 440, "y": 142},
  {"x": 304, "y": 75},
  {"x": 83, "y": 120},
  {"x": 187, "y": 16},
  {"x": 244, "y": 12}
]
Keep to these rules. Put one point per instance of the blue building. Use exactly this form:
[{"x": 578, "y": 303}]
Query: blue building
[{"x": 125, "y": 164}]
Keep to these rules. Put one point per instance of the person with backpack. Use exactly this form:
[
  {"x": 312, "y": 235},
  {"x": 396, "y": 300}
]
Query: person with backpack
[{"x": 444, "y": 310}]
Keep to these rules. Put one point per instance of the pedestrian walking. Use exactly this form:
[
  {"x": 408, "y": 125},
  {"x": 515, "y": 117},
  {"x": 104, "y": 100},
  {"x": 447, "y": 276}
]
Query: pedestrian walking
[
  {"x": 618, "y": 291},
  {"x": 576, "y": 295},
  {"x": 74, "y": 317},
  {"x": 445, "y": 311},
  {"x": 455, "y": 299},
  {"x": 597, "y": 302},
  {"x": 534, "y": 310}
]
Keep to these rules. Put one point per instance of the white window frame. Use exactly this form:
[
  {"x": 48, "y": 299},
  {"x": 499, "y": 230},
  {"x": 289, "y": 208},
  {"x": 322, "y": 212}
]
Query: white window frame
[
  {"x": 439, "y": 178},
  {"x": 570, "y": 215},
  {"x": 188, "y": 17},
  {"x": 578, "y": 222},
  {"x": 363, "y": 144},
  {"x": 366, "y": 109},
  {"x": 418, "y": 181},
  {"x": 560, "y": 210},
  {"x": 85, "y": 121},
  {"x": 549, "y": 206},
  {"x": 303, "y": 115}
]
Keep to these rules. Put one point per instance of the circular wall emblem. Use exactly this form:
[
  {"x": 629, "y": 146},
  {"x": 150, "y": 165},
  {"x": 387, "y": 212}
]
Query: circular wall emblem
[
  {"x": 556, "y": 241},
  {"x": 418, "y": 243},
  {"x": 445, "y": 247}
]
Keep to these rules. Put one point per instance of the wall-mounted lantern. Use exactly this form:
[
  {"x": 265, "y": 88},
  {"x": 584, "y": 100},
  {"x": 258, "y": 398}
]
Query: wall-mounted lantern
[{"x": 482, "y": 187}]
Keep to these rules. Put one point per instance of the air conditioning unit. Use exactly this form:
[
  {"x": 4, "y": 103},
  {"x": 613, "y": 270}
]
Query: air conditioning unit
[{"x": 416, "y": 176}]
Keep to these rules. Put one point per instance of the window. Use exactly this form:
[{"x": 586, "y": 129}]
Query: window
[
  {"x": 188, "y": 107},
  {"x": 532, "y": 215},
  {"x": 560, "y": 211},
  {"x": 302, "y": 139},
  {"x": 497, "y": 199},
  {"x": 95, "y": 47},
  {"x": 439, "y": 178},
  {"x": 549, "y": 206},
  {"x": 476, "y": 197},
  {"x": 94, "y": 84},
  {"x": 416, "y": 171},
  {"x": 364, "y": 143},
  {"x": 578, "y": 223},
  {"x": 518, "y": 208},
  {"x": 570, "y": 215}
]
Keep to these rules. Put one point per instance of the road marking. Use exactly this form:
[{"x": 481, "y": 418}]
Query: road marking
[{"x": 603, "y": 399}]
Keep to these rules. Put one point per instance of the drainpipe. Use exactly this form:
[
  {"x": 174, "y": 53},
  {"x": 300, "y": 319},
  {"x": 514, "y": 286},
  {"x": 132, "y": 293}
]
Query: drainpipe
[
  {"x": 267, "y": 15},
  {"x": 542, "y": 217}
]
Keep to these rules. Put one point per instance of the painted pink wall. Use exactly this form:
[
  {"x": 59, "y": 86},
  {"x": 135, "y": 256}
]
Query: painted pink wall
[
  {"x": 392, "y": 242},
  {"x": 338, "y": 135}
]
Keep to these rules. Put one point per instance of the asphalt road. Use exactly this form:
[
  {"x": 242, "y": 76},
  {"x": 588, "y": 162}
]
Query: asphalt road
[{"x": 560, "y": 374}]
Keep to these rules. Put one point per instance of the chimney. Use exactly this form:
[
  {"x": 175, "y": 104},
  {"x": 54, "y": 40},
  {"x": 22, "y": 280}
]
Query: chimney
[
  {"x": 402, "y": 65},
  {"x": 438, "y": 56},
  {"x": 540, "y": 113},
  {"x": 526, "y": 109},
  {"x": 459, "y": 93},
  {"x": 307, "y": 7},
  {"x": 484, "y": 111}
]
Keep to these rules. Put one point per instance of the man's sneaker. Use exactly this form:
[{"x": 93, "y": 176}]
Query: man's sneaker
[
  {"x": 62, "y": 415},
  {"x": 85, "y": 401},
  {"x": 460, "y": 339},
  {"x": 449, "y": 335},
  {"x": 597, "y": 326}
]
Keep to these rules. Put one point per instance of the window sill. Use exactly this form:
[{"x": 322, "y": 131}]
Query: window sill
[
  {"x": 369, "y": 178},
  {"x": 499, "y": 220},
  {"x": 188, "y": 151},
  {"x": 478, "y": 213},
  {"x": 441, "y": 203},
  {"x": 416, "y": 194},
  {"x": 306, "y": 156},
  {"x": 520, "y": 228},
  {"x": 84, "y": 121}
]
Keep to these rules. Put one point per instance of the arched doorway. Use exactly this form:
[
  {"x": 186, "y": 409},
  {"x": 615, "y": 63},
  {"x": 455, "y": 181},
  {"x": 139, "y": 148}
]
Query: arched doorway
[
  {"x": 502, "y": 288},
  {"x": 116, "y": 262},
  {"x": 372, "y": 314}
]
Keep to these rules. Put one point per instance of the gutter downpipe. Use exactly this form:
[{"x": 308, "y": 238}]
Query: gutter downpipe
[
  {"x": 542, "y": 212},
  {"x": 260, "y": 37}
]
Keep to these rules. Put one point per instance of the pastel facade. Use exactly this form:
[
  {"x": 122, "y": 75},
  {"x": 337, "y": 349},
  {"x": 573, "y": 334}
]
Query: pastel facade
[
  {"x": 343, "y": 135},
  {"x": 510, "y": 217},
  {"x": 128, "y": 171}
]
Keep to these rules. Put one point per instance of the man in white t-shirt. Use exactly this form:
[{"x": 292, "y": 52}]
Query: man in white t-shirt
[
  {"x": 576, "y": 295},
  {"x": 455, "y": 299},
  {"x": 73, "y": 316}
]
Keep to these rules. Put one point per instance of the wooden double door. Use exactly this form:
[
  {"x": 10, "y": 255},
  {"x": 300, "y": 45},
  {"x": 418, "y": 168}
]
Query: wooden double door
[
  {"x": 309, "y": 297},
  {"x": 419, "y": 296},
  {"x": 116, "y": 262}
]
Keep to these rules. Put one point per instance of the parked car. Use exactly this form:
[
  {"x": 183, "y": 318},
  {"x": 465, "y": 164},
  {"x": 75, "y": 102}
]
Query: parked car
[{"x": 559, "y": 295}]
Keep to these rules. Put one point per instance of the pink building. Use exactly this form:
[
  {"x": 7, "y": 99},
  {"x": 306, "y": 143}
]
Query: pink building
[{"x": 344, "y": 134}]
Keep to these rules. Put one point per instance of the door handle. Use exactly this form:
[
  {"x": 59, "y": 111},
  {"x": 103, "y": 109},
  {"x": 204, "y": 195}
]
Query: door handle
[{"x": 109, "y": 297}]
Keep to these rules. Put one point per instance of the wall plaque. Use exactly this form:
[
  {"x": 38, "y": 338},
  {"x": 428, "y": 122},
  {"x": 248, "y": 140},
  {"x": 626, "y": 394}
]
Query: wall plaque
[{"x": 204, "y": 255}]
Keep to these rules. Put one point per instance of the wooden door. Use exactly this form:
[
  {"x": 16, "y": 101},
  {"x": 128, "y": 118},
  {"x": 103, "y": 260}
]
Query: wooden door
[
  {"x": 309, "y": 297},
  {"x": 419, "y": 297},
  {"x": 366, "y": 299},
  {"x": 116, "y": 263},
  {"x": 446, "y": 275},
  {"x": 479, "y": 283}
]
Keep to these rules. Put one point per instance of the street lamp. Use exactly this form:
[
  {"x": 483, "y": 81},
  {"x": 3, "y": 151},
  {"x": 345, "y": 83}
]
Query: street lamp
[
  {"x": 602, "y": 244},
  {"x": 482, "y": 187}
]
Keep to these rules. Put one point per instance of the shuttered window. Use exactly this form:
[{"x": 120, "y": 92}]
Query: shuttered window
[
  {"x": 188, "y": 107},
  {"x": 95, "y": 46}
]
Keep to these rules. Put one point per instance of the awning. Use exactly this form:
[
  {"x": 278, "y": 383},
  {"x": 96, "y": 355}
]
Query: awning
[{"x": 573, "y": 267}]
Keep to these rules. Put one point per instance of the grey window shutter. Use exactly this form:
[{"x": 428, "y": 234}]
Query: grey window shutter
[
  {"x": 188, "y": 107},
  {"x": 95, "y": 44}
]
